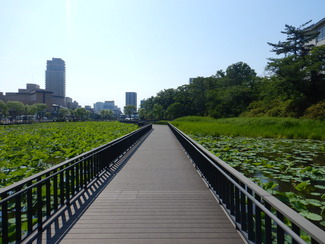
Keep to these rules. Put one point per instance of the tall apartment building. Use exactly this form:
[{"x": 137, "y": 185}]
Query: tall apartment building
[
  {"x": 131, "y": 98},
  {"x": 55, "y": 79}
]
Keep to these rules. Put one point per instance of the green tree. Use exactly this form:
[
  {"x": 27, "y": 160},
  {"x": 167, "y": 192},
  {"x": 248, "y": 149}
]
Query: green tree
[
  {"x": 239, "y": 74},
  {"x": 64, "y": 113},
  {"x": 3, "y": 109},
  {"x": 142, "y": 113},
  {"x": 39, "y": 109},
  {"x": 297, "y": 42},
  {"x": 229, "y": 101},
  {"x": 158, "y": 111},
  {"x": 302, "y": 66},
  {"x": 175, "y": 110},
  {"x": 15, "y": 108},
  {"x": 106, "y": 114},
  {"x": 81, "y": 113},
  {"x": 129, "y": 110}
]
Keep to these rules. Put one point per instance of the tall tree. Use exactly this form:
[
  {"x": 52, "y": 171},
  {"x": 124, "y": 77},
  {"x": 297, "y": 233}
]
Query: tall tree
[
  {"x": 3, "y": 109},
  {"x": 15, "y": 108},
  {"x": 298, "y": 41},
  {"x": 302, "y": 64},
  {"x": 240, "y": 74},
  {"x": 129, "y": 110},
  {"x": 106, "y": 114},
  {"x": 39, "y": 109}
]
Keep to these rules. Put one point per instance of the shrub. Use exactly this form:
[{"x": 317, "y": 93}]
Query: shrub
[{"x": 316, "y": 111}]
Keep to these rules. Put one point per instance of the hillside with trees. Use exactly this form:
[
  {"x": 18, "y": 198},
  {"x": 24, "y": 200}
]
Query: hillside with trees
[{"x": 294, "y": 86}]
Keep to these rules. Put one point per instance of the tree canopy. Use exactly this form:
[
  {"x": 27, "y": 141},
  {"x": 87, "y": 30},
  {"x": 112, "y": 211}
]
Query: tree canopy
[{"x": 296, "y": 81}]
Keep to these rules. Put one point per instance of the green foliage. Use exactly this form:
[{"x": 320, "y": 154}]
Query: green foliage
[
  {"x": 295, "y": 82},
  {"x": 15, "y": 108},
  {"x": 175, "y": 110},
  {"x": 239, "y": 74},
  {"x": 3, "y": 108},
  {"x": 316, "y": 111},
  {"x": 81, "y": 113},
  {"x": 297, "y": 43},
  {"x": 254, "y": 127},
  {"x": 28, "y": 149},
  {"x": 229, "y": 101},
  {"x": 292, "y": 170},
  {"x": 129, "y": 110},
  {"x": 106, "y": 114}
]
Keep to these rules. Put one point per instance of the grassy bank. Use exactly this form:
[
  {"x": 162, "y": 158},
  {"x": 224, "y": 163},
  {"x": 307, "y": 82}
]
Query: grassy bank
[{"x": 253, "y": 127}]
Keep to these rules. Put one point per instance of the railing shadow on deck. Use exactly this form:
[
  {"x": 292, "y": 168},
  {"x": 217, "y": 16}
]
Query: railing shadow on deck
[
  {"x": 27, "y": 206},
  {"x": 58, "y": 226},
  {"x": 259, "y": 216}
]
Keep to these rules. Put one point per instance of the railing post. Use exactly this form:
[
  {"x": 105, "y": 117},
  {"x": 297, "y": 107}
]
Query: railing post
[
  {"x": 55, "y": 190},
  {"x": 62, "y": 188},
  {"x": 4, "y": 216},
  {"x": 48, "y": 197},
  {"x": 243, "y": 209},
  {"x": 29, "y": 209},
  {"x": 268, "y": 226},
  {"x": 67, "y": 185},
  {"x": 296, "y": 229},
  {"x": 257, "y": 219},
  {"x": 40, "y": 196},
  {"x": 237, "y": 205},
  {"x": 18, "y": 216},
  {"x": 258, "y": 222},
  {"x": 250, "y": 219},
  {"x": 39, "y": 207},
  {"x": 279, "y": 230}
]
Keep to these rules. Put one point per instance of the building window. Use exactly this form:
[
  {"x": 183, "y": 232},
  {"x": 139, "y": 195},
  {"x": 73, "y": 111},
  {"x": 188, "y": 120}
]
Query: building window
[{"x": 321, "y": 35}]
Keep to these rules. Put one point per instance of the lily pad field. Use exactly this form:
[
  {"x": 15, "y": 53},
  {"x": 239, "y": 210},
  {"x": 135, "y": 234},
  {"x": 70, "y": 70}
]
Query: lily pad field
[
  {"x": 289, "y": 163},
  {"x": 28, "y": 149}
]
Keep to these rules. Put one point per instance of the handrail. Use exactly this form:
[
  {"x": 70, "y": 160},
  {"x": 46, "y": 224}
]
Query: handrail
[
  {"x": 259, "y": 216},
  {"x": 27, "y": 204}
]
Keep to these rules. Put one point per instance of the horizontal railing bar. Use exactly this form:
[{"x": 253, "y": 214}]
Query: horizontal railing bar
[
  {"x": 42, "y": 181},
  {"x": 262, "y": 207},
  {"x": 294, "y": 217},
  {"x": 44, "y": 172},
  {"x": 315, "y": 232},
  {"x": 74, "y": 174}
]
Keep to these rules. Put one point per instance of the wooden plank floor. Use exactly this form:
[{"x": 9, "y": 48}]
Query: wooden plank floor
[{"x": 157, "y": 197}]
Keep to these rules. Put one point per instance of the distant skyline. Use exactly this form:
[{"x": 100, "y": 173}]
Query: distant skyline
[{"x": 144, "y": 46}]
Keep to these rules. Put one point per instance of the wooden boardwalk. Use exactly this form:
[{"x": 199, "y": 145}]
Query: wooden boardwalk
[{"x": 158, "y": 197}]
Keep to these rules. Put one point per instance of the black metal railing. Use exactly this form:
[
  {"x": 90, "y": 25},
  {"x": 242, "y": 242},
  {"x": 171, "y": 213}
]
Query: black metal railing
[
  {"x": 258, "y": 215},
  {"x": 27, "y": 204}
]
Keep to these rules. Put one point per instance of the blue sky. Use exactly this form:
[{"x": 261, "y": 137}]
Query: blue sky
[{"x": 144, "y": 46}]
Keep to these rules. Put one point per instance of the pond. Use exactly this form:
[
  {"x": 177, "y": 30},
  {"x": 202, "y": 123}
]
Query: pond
[{"x": 292, "y": 170}]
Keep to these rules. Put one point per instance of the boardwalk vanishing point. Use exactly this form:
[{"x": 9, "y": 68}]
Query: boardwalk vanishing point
[{"x": 157, "y": 196}]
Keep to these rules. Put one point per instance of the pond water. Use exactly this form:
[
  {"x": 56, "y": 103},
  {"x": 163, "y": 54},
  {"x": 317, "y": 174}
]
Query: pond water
[{"x": 292, "y": 170}]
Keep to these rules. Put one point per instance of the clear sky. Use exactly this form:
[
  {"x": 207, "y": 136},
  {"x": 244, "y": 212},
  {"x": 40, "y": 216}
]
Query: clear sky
[{"x": 114, "y": 46}]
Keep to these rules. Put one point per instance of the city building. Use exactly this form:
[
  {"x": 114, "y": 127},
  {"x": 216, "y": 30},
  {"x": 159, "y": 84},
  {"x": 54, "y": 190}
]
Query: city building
[
  {"x": 142, "y": 103},
  {"x": 131, "y": 98},
  {"x": 318, "y": 27},
  {"x": 55, "y": 80},
  {"x": 109, "y": 105},
  {"x": 31, "y": 95},
  {"x": 71, "y": 104}
]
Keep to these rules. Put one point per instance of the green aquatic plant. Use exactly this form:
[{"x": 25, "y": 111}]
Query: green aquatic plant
[{"x": 28, "y": 149}]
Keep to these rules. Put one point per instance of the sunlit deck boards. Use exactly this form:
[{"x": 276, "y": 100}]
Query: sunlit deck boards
[{"x": 157, "y": 197}]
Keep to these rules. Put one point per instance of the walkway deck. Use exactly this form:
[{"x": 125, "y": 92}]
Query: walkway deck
[{"x": 157, "y": 197}]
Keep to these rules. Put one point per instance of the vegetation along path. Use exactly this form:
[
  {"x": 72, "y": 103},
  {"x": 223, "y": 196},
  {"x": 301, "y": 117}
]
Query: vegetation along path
[{"x": 158, "y": 197}]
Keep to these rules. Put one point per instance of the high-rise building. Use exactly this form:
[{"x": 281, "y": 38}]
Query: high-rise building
[
  {"x": 55, "y": 77},
  {"x": 131, "y": 98}
]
